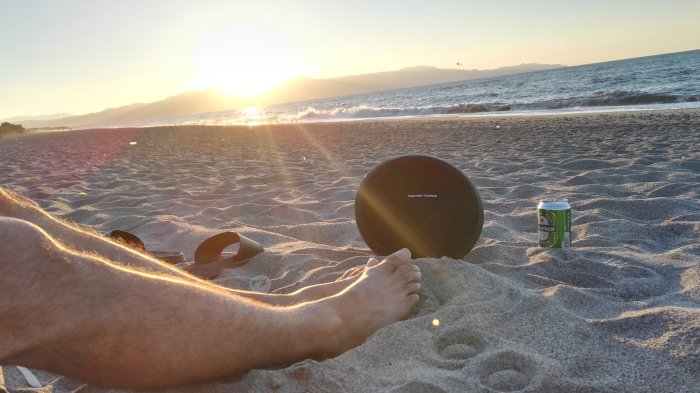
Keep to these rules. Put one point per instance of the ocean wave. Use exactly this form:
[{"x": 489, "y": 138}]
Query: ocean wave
[
  {"x": 365, "y": 112},
  {"x": 613, "y": 79},
  {"x": 362, "y": 111},
  {"x": 598, "y": 99},
  {"x": 610, "y": 98}
]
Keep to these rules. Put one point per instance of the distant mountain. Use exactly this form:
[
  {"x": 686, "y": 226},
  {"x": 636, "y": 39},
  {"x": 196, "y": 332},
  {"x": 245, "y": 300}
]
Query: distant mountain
[
  {"x": 302, "y": 88},
  {"x": 96, "y": 119},
  {"x": 184, "y": 104},
  {"x": 297, "y": 89}
]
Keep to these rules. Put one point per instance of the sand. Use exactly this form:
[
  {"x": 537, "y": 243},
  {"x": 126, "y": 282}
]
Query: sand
[{"x": 619, "y": 312}]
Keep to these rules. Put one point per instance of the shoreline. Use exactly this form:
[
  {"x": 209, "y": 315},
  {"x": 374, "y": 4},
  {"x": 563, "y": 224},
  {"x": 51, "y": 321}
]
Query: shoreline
[{"x": 418, "y": 119}]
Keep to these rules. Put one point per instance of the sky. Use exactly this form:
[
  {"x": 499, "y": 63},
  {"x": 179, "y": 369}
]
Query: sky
[{"x": 84, "y": 56}]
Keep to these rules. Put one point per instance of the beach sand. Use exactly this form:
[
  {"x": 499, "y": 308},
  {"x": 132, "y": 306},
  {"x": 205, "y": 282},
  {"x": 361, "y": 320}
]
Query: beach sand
[{"x": 619, "y": 312}]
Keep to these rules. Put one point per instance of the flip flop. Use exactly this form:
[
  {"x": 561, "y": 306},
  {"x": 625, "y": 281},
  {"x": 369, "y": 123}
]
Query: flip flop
[
  {"x": 209, "y": 258},
  {"x": 132, "y": 241}
]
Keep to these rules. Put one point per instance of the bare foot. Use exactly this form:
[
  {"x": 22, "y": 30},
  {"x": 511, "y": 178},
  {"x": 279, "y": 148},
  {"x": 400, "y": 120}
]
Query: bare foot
[
  {"x": 385, "y": 293},
  {"x": 320, "y": 291},
  {"x": 357, "y": 270},
  {"x": 312, "y": 292}
]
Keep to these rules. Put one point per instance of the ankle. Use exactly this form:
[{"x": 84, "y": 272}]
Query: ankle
[{"x": 326, "y": 328}]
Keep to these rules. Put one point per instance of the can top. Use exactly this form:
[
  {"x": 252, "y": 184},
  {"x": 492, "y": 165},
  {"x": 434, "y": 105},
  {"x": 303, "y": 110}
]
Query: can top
[{"x": 561, "y": 204}]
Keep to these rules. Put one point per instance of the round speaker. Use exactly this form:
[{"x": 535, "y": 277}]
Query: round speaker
[{"x": 422, "y": 203}]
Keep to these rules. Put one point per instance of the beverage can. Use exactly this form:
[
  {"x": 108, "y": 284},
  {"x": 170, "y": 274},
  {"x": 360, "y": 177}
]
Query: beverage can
[{"x": 554, "y": 224}]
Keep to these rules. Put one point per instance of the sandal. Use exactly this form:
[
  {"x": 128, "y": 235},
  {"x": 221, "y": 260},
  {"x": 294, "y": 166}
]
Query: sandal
[{"x": 209, "y": 258}]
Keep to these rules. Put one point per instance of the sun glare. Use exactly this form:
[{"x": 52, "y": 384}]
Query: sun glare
[{"x": 244, "y": 61}]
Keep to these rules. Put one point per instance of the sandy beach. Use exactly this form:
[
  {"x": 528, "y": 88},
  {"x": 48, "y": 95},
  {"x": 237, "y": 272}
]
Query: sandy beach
[{"x": 618, "y": 312}]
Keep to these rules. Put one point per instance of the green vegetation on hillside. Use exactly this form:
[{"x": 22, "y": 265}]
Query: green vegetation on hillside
[{"x": 6, "y": 128}]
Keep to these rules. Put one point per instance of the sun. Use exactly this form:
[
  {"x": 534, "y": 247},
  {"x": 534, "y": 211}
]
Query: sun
[{"x": 244, "y": 61}]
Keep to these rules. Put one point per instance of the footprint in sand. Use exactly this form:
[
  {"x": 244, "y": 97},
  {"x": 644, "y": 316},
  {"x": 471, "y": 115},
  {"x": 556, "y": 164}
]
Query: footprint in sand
[
  {"x": 507, "y": 372},
  {"x": 460, "y": 344},
  {"x": 457, "y": 346}
]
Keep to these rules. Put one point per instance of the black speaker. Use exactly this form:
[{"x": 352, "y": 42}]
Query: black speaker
[{"x": 422, "y": 203}]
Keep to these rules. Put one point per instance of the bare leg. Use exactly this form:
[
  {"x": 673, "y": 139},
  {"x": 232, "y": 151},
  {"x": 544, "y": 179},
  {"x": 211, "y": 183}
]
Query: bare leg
[
  {"x": 85, "y": 317},
  {"x": 84, "y": 240}
]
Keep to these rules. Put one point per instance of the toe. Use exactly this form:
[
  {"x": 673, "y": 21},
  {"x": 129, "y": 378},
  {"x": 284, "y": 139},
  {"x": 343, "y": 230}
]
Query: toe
[
  {"x": 413, "y": 287},
  {"x": 404, "y": 269},
  {"x": 397, "y": 259},
  {"x": 372, "y": 262},
  {"x": 408, "y": 273},
  {"x": 412, "y": 276}
]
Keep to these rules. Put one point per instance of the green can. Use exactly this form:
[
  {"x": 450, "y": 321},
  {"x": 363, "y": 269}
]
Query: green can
[{"x": 554, "y": 224}]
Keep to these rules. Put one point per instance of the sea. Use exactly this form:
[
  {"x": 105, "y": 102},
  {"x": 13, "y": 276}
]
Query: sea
[{"x": 669, "y": 81}]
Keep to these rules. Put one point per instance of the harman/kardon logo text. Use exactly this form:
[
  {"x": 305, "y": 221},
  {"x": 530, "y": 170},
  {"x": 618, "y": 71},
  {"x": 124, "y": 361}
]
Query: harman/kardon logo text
[{"x": 422, "y": 195}]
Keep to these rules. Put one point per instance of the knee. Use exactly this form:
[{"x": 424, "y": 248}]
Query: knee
[
  {"x": 28, "y": 278},
  {"x": 32, "y": 266},
  {"x": 15, "y": 205},
  {"x": 8, "y": 199},
  {"x": 20, "y": 240},
  {"x": 15, "y": 230}
]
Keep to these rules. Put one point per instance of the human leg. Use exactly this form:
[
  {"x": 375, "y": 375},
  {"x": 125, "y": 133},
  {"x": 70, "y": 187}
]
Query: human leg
[
  {"x": 90, "y": 319},
  {"x": 84, "y": 240},
  {"x": 81, "y": 238}
]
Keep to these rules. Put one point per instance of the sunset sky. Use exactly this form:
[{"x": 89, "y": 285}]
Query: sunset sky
[{"x": 85, "y": 56}]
